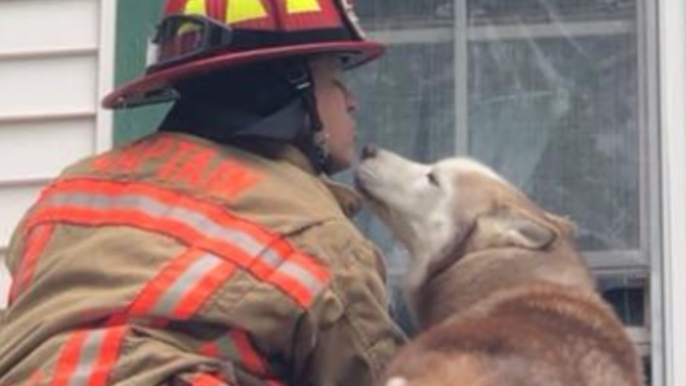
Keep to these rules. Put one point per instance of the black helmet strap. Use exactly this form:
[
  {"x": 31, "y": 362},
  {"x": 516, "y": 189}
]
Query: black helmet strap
[
  {"x": 313, "y": 142},
  {"x": 286, "y": 125}
]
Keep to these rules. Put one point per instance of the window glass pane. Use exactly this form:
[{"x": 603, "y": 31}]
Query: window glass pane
[
  {"x": 538, "y": 11},
  {"x": 555, "y": 108},
  {"x": 559, "y": 117},
  {"x": 628, "y": 295},
  {"x": 406, "y": 103},
  {"x": 553, "y": 103},
  {"x": 648, "y": 370},
  {"x": 405, "y": 14},
  {"x": 406, "y": 100}
]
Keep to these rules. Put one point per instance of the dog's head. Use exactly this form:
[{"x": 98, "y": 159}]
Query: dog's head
[
  {"x": 435, "y": 207},
  {"x": 444, "y": 211}
]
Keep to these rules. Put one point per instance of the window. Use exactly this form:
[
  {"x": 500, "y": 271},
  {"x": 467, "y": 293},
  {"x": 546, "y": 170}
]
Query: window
[{"x": 553, "y": 95}]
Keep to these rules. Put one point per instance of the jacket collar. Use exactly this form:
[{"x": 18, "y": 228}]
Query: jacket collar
[{"x": 348, "y": 199}]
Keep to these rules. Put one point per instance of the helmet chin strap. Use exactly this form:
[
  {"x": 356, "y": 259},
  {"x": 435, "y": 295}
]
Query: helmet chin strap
[
  {"x": 313, "y": 141},
  {"x": 298, "y": 122}
]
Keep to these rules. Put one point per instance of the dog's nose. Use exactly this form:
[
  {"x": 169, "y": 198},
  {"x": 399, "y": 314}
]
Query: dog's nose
[{"x": 369, "y": 151}]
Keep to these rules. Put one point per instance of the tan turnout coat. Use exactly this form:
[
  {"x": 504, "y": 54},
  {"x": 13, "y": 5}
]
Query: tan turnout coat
[{"x": 174, "y": 260}]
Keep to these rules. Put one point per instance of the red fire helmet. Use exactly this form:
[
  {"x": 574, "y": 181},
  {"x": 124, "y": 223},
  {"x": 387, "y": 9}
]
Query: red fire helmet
[{"x": 199, "y": 36}]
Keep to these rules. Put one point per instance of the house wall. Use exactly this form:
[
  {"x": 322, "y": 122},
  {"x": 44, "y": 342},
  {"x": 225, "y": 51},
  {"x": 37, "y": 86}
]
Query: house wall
[{"x": 55, "y": 64}]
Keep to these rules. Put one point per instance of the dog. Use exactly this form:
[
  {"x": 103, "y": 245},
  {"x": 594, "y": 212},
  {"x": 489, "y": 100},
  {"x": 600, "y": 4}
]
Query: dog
[{"x": 500, "y": 294}]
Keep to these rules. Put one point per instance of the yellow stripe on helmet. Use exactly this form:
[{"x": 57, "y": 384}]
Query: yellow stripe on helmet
[
  {"x": 195, "y": 7},
  {"x": 244, "y": 10},
  {"x": 302, "y": 6}
]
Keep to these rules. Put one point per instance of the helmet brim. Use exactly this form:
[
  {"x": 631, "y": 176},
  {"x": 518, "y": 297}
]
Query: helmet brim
[{"x": 131, "y": 93}]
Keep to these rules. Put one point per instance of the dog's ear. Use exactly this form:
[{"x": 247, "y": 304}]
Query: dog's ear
[
  {"x": 563, "y": 223},
  {"x": 508, "y": 228},
  {"x": 528, "y": 233}
]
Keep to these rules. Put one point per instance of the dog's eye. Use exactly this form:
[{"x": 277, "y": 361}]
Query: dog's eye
[{"x": 432, "y": 179}]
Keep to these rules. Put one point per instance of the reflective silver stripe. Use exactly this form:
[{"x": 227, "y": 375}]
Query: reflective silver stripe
[
  {"x": 155, "y": 208},
  {"x": 303, "y": 277},
  {"x": 270, "y": 257},
  {"x": 194, "y": 219},
  {"x": 209, "y": 227},
  {"x": 193, "y": 274},
  {"x": 88, "y": 355}
]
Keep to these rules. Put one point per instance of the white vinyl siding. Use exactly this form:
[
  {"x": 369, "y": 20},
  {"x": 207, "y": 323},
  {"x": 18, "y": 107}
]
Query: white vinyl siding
[
  {"x": 24, "y": 142},
  {"x": 50, "y": 85},
  {"x": 48, "y": 25},
  {"x": 55, "y": 64}
]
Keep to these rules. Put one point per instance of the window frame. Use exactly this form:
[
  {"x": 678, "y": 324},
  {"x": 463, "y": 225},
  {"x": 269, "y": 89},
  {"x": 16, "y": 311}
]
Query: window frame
[
  {"x": 672, "y": 66},
  {"x": 615, "y": 259},
  {"x": 646, "y": 261}
]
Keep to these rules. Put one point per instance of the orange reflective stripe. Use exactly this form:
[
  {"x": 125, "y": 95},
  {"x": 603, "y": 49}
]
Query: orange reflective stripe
[
  {"x": 166, "y": 197},
  {"x": 198, "y": 295},
  {"x": 182, "y": 287},
  {"x": 69, "y": 359},
  {"x": 204, "y": 379},
  {"x": 155, "y": 289},
  {"x": 249, "y": 357},
  {"x": 197, "y": 223},
  {"x": 89, "y": 357},
  {"x": 211, "y": 349},
  {"x": 298, "y": 266},
  {"x": 35, "y": 245},
  {"x": 237, "y": 347},
  {"x": 109, "y": 353}
]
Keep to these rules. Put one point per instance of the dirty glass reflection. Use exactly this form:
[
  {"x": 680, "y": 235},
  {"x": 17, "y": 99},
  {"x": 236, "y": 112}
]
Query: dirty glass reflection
[{"x": 559, "y": 117}]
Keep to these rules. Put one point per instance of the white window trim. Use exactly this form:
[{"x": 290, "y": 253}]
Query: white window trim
[
  {"x": 551, "y": 30},
  {"x": 672, "y": 28}
]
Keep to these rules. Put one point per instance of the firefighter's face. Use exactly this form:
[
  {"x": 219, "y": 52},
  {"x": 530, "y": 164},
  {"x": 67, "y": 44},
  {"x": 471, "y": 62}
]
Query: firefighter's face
[{"x": 335, "y": 104}]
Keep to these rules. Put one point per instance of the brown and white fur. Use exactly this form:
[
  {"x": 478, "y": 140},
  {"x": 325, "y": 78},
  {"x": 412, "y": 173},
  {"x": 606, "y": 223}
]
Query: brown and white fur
[{"x": 500, "y": 293}]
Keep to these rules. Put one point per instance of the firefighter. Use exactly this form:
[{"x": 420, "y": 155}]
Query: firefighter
[{"x": 215, "y": 251}]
